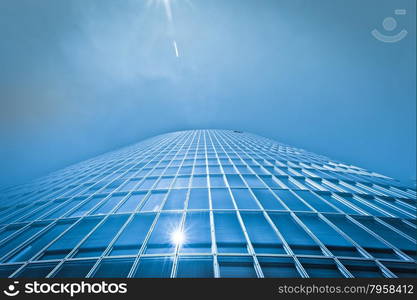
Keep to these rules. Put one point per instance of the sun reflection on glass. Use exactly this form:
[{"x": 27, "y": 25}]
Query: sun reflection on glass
[{"x": 177, "y": 237}]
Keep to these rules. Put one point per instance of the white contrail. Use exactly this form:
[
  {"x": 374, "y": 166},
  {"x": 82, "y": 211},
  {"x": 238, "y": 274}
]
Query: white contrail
[
  {"x": 176, "y": 49},
  {"x": 168, "y": 11}
]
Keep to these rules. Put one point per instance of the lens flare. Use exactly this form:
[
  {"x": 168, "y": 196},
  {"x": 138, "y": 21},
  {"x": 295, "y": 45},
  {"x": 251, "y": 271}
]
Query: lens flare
[{"x": 177, "y": 237}]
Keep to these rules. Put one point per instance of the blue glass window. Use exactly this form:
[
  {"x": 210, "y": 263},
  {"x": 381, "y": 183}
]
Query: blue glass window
[
  {"x": 131, "y": 239},
  {"x": 87, "y": 206},
  {"x": 268, "y": 200},
  {"x": 154, "y": 201},
  {"x": 365, "y": 239},
  {"x": 195, "y": 267},
  {"x": 236, "y": 266},
  {"x": 197, "y": 235},
  {"x": 229, "y": 235},
  {"x": 319, "y": 267},
  {"x": 108, "y": 205},
  {"x": 221, "y": 199},
  {"x": 63, "y": 246},
  {"x": 116, "y": 268},
  {"x": 261, "y": 234},
  {"x": 35, "y": 246},
  {"x": 291, "y": 200},
  {"x": 319, "y": 204},
  {"x": 37, "y": 270},
  {"x": 235, "y": 181},
  {"x": 278, "y": 267},
  {"x": 175, "y": 200},
  {"x": 299, "y": 241},
  {"x": 131, "y": 203},
  {"x": 402, "y": 270},
  {"x": 362, "y": 268},
  {"x": 217, "y": 181},
  {"x": 161, "y": 239},
  {"x": 182, "y": 182},
  {"x": 199, "y": 182},
  {"x": 98, "y": 241},
  {"x": 23, "y": 236},
  {"x": 78, "y": 268},
  {"x": 159, "y": 267},
  {"x": 244, "y": 199},
  {"x": 198, "y": 199},
  {"x": 338, "y": 245}
]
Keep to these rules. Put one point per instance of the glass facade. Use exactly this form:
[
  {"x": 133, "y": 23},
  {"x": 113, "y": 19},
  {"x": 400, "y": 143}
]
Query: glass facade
[{"x": 209, "y": 203}]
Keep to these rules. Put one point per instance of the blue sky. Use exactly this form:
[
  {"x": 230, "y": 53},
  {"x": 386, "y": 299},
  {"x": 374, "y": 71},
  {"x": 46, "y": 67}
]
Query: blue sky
[{"x": 79, "y": 78}]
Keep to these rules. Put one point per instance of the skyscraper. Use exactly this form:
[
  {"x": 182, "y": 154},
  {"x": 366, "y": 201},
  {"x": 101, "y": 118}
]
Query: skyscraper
[{"x": 209, "y": 203}]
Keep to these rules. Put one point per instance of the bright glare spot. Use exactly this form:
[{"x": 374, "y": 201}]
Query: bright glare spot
[{"x": 177, "y": 237}]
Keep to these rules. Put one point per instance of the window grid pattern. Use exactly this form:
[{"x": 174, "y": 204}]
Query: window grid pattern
[{"x": 209, "y": 203}]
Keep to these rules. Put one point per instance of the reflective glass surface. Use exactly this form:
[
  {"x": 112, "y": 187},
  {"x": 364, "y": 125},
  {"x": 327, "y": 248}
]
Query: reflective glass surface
[{"x": 209, "y": 203}]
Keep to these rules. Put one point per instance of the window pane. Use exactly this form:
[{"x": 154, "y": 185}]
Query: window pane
[
  {"x": 253, "y": 181},
  {"x": 7, "y": 270},
  {"x": 273, "y": 267},
  {"x": 64, "y": 209},
  {"x": 362, "y": 268},
  {"x": 299, "y": 241},
  {"x": 116, "y": 268},
  {"x": 236, "y": 266},
  {"x": 84, "y": 208},
  {"x": 63, "y": 246},
  {"x": 197, "y": 233},
  {"x": 39, "y": 270},
  {"x": 164, "y": 182},
  {"x": 343, "y": 206},
  {"x": 9, "y": 231},
  {"x": 108, "y": 205},
  {"x": 261, "y": 234},
  {"x": 130, "y": 240},
  {"x": 75, "y": 269},
  {"x": 221, "y": 199},
  {"x": 235, "y": 181},
  {"x": 154, "y": 268},
  {"x": 229, "y": 235},
  {"x": 182, "y": 182},
  {"x": 315, "y": 201},
  {"x": 175, "y": 200},
  {"x": 21, "y": 238},
  {"x": 244, "y": 199},
  {"x": 40, "y": 242},
  {"x": 402, "y": 270},
  {"x": 198, "y": 199},
  {"x": 130, "y": 184},
  {"x": 199, "y": 181},
  {"x": 195, "y": 267},
  {"x": 363, "y": 238},
  {"x": 161, "y": 240},
  {"x": 98, "y": 241},
  {"x": 267, "y": 199},
  {"x": 131, "y": 203},
  {"x": 389, "y": 235},
  {"x": 317, "y": 267},
  {"x": 147, "y": 183},
  {"x": 401, "y": 226},
  {"x": 217, "y": 181},
  {"x": 271, "y": 182},
  {"x": 291, "y": 200},
  {"x": 154, "y": 201},
  {"x": 329, "y": 236},
  {"x": 47, "y": 207}
]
